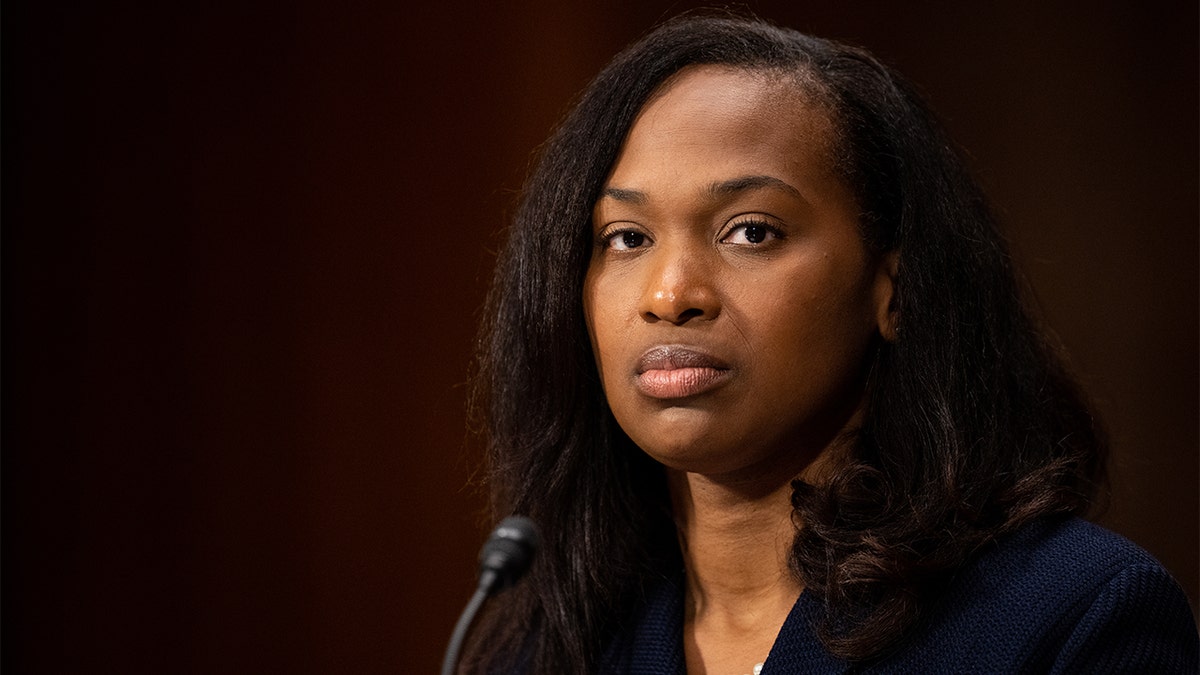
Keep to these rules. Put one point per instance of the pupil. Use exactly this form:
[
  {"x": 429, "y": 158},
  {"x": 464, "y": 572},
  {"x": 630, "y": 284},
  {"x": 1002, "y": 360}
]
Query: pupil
[
  {"x": 755, "y": 234},
  {"x": 632, "y": 239}
]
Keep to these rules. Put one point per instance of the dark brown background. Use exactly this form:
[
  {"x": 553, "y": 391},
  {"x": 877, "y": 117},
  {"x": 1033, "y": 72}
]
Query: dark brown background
[{"x": 244, "y": 252}]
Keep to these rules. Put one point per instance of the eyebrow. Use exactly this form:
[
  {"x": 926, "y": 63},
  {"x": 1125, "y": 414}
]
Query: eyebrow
[
  {"x": 742, "y": 184},
  {"x": 623, "y": 195},
  {"x": 716, "y": 190}
]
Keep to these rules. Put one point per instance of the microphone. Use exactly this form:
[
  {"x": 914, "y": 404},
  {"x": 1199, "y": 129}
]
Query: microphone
[
  {"x": 505, "y": 558},
  {"x": 508, "y": 553}
]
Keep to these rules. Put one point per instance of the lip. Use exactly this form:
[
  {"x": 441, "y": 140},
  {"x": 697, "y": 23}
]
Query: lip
[{"x": 675, "y": 371}]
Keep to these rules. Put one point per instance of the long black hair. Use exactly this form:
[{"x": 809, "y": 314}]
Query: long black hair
[{"x": 972, "y": 426}]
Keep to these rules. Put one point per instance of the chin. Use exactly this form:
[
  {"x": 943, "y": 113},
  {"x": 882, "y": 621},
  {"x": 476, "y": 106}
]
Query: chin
[
  {"x": 700, "y": 456},
  {"x": 751, "y": 455}
]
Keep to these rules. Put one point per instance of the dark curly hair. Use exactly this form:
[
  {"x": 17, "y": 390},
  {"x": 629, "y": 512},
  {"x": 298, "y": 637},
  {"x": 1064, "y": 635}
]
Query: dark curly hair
[{"x": 972, "y": 425}]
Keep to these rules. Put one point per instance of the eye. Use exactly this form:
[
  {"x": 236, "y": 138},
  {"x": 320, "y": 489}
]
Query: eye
[
  {"x": 625, "y": 240},
  {"x": 750, "y": 233}
]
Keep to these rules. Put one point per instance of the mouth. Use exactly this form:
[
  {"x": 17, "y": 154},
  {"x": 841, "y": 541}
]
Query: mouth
[{"x": 673, "y": 372}]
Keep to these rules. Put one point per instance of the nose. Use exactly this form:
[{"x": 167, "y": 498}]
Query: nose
[{"x": 679, "y": 288}]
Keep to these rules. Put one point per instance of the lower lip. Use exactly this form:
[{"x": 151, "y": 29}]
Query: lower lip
[{"x": 680, "y": 382}]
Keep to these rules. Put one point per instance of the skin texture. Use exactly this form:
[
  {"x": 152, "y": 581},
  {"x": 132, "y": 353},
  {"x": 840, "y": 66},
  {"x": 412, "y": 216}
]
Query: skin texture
[{"x": 733, "y": 309}]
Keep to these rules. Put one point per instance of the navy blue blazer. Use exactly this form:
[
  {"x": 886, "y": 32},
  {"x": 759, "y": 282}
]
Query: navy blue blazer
[{"x": 1067, "y": 597}]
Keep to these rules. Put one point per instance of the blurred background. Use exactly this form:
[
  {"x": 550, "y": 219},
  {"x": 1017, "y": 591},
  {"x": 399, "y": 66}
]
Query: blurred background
[{"x": 245, "y": 248}]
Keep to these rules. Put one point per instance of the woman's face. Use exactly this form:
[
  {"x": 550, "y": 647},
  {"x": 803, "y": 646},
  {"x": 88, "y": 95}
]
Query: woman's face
[{"x": 730, "y": 300}]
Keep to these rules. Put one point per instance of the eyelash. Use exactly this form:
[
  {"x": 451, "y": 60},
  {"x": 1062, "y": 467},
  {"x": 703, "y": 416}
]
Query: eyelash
[
  {"x": 762, "y": 224},
  {"x": 606, "y": 240}
]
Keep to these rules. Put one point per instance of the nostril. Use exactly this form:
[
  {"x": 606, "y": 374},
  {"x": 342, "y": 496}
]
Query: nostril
[
  {"x": 677, "y": 318},
  {"x": 678, "y": 291},
  {"x": 688, "y": 315}
]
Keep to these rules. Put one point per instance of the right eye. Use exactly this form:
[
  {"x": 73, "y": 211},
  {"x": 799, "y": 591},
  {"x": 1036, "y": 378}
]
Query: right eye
[{"x": 625, "y": 240}]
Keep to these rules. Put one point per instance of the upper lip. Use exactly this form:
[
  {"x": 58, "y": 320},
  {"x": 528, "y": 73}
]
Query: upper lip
[{"x": 671, "y": 357}]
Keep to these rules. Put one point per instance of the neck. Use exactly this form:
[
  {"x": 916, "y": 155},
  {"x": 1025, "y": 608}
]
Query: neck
[
  {"x": 735, "y": 546},
  {"x": 736, "y": 533},
  {"x": 736, "y": 543}
]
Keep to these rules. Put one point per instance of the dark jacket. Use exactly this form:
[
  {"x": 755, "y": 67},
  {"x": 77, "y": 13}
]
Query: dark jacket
[{"x": 1068, "y": 597}]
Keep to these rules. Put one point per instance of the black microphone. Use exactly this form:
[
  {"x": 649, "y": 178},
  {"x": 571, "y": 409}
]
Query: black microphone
[
  {"x": 505, "y": 558},
  {"x": 508, "y": 553}
]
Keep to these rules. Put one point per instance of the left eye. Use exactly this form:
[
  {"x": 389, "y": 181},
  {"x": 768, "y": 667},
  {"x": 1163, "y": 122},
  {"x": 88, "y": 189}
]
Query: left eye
[{"x": 750, "y": 233}]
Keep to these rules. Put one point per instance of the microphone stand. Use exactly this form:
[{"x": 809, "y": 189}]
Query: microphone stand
[
  {"x": 504, "y": 559},
  {"x": 450, "y": 662}
]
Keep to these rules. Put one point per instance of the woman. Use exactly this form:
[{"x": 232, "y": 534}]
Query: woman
[{"x": 755, "y": 360}]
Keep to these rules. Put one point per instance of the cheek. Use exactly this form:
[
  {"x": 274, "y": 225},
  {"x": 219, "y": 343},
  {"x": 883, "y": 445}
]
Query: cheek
[
  {"x": 598, "y": 318},
  {"x": 589, "y": 318},
  {"x": 608, "y": 298},
  {"x": 820, "y": 336}
]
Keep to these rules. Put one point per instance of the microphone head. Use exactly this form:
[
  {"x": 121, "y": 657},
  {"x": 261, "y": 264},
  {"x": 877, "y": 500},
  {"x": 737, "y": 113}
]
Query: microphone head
[{"x": 508, "y": 553}]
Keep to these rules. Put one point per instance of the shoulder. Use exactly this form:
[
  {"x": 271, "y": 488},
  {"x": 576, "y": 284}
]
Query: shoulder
[
  {"x": 652, "y": 641},
  {"x": 1063, "y": 596},
  {"x": 1071, "y": 557}
]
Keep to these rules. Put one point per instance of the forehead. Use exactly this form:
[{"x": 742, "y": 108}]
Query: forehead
[
  {"x": 727, "y": 84},
  {"x": 710, "y": 123}
]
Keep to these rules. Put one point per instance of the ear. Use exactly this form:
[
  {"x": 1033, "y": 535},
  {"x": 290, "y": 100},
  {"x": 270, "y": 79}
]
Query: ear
[{"x": 887, "y": 317}]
